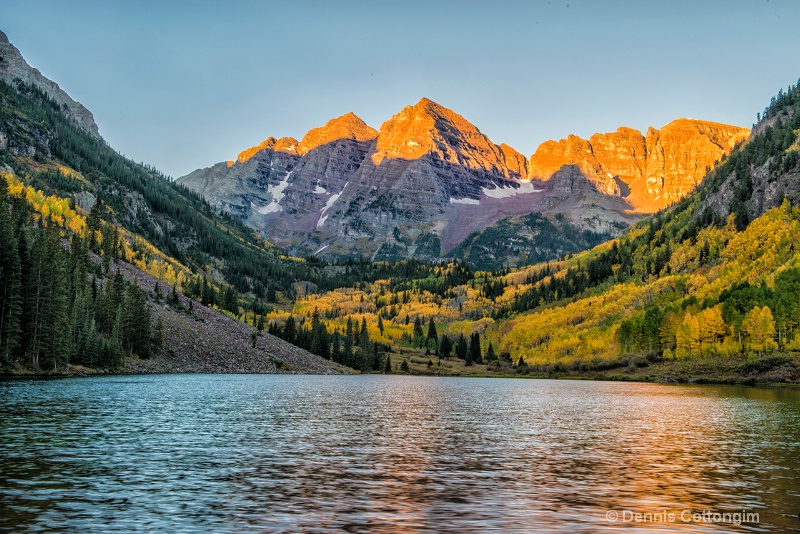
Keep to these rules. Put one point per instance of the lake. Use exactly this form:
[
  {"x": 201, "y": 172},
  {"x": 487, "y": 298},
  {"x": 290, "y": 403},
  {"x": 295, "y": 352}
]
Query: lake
[{"x": 286, "y": 453}]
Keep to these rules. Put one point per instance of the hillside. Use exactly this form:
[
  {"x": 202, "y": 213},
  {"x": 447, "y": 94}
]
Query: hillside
[
  {"x": 72, "y": 209},
  {"x": 429, "y": 184},
  {"x": 707, "y": 289}
]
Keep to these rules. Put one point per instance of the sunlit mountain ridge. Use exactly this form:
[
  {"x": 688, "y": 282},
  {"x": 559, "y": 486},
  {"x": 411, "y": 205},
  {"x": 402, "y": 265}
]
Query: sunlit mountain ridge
[{"x": 429, "y": 179}]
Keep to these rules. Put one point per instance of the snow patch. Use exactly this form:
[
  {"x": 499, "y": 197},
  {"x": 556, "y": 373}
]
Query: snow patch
[
  {"x": 505, "y": 192},
  {"x": 471, "y": 201},
  {"x": 319, "y": 190},
  {"x": 276, "y": 191},
  {"x": 320, "y": 250},
  {"x": 328, "y": 205}
]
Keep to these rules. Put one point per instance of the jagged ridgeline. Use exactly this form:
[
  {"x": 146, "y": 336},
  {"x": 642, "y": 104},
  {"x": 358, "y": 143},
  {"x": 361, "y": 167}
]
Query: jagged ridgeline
[
  {"x": 50, "y": 152},
  {"x": 714, "y": 278},
  {"x": 430, "y": 185}
]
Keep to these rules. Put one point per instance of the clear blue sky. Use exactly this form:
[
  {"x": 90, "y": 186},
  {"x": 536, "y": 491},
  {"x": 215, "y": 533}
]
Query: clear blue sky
[{"x": 183, "y": 85}]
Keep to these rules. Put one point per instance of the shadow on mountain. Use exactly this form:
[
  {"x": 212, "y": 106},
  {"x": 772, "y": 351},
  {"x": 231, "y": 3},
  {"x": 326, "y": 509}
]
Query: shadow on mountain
[{"x": 336, "y": 197}]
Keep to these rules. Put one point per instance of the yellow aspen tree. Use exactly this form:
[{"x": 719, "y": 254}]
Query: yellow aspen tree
[
  {"x": 758, "y": 327},
  {"x": 687, "y": 336},
  {"x": 712, "y": 326}
]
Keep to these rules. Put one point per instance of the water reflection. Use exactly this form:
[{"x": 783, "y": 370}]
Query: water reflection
[{"x": 288, "y": 453}]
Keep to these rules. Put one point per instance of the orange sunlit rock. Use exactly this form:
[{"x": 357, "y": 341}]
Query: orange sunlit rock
[
  {"x": 284, "y": 144},
  {"x": 650, "y": 171},
  {"x": 428, "y": 128},
  {"x": 348, "y": 126}
]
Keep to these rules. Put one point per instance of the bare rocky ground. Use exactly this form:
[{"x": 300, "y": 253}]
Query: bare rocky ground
[{"x": 205, "y": 340}]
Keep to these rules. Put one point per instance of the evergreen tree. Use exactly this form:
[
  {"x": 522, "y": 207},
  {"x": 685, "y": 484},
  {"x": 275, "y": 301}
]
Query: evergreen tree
[
  {"x": 432, "y": 331},
  {"x": 336, "y": 354},
  {"x": 349, "y": 342},
  {"x": 462, "y": 349},
  {"x": 445, "y": 347},
  {"x": 419, "y": 335},
  {"x": 319, "y": 337},
  {"x": 173, "y": 299},
  {"x": 11, "y": 290},
  {"x": 289, "y": 330},
  {"x": 475, "y": 355},
  {"x": 490, "y": 355},
  {"x": 136, "y": 322}
]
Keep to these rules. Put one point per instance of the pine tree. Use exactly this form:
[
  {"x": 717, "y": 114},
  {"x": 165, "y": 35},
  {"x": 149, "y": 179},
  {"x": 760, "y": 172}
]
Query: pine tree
[
  {"x": 11, "y": 290},
  {"x": 136, "y": 322},
  {"x": 289, "y": 330},
  {"x": 173, "y": 299},
  {"x": 475, "y": 348},
  {"x": 432, "y": 331},
  {"x": 349, "y": 342},
  {"x": 445, "y": 347},
  {"x": 336, "y": 354},
  {"x": 319, "y": 337},
  {"x": 419, "y": 334},
  {"x": 462, "y": 348},
  {"x": 490, "y": 355}
]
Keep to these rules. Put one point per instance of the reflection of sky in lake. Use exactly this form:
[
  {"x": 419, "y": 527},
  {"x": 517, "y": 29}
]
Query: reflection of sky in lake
[{"x": 234, "y": 452}]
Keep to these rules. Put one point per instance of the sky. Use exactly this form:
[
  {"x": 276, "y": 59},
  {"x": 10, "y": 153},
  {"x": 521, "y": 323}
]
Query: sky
[{"x": 183, "y": 85}]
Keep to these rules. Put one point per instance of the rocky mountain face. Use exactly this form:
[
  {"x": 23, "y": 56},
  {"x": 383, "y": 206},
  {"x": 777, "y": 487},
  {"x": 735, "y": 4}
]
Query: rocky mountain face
[
  {"x": 650, "y": 171},
  {"x": 429, "y": 179},
  {"x": 13, "y": 66}
]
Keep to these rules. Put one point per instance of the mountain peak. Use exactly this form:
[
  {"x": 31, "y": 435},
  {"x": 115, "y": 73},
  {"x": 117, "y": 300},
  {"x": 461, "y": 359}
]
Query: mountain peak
[
  {"x": 430, "y": 128},
  {"x": 13, "y": 66},
  {"x": 284, "y": 144},
  {"x": 348, "y": 126},
  {"x": 428, "y": 107}
]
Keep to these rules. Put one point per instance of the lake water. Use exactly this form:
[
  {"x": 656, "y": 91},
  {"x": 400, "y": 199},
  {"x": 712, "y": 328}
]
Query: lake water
[{"x": 239, "y": 453}]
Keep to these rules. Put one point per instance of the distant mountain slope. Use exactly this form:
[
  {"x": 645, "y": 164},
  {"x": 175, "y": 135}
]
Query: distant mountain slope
[
  {"x": 707, "y": 289},
  {"x": 61, "y": 183},
  {"x": 14, "y": 67},
  {"x": 429, "y": 179},
  {"x": 650, "y": 172}
]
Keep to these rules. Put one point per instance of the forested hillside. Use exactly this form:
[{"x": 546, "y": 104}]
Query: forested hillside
[
  {"x": 71, "y": 207},
  {"x": 714, "y": 278}
]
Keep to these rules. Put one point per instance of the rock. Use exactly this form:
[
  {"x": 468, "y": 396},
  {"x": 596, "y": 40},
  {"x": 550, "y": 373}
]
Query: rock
[
  {"x": 13, "y": 66},
  {"x": 429, "y": 178},
  {"x": 649, "y": 172},
  {"x": 345, "y": 127}
]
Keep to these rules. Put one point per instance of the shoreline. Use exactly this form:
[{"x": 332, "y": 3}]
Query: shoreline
[{"x": 780, "y": 371}]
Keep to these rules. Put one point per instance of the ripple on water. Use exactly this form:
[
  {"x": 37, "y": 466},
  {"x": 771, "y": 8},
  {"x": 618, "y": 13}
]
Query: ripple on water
[{"x": 234, "y": 452}]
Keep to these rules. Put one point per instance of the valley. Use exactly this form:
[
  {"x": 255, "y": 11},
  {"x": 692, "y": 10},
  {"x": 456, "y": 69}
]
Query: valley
[{"x": 421, "y": 248}]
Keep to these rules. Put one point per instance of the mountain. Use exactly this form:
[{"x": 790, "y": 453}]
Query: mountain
[
  {"x": 105, "y": 262},
  {"x": 650, "y": 171},
  {"x": 707, "y": 289},
  {"x": 429, "y": 179},
  {"x": 14, "y": 67}
]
